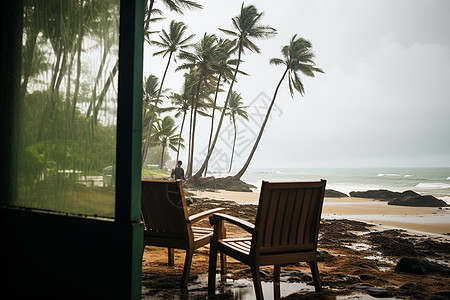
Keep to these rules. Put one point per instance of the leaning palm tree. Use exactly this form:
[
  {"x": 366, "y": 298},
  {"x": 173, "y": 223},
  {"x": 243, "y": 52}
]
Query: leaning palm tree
[
  {"x": 235, "y": 108},
  {"x": 247, "y": 27},
  {"x": 224, "y": 67},
  {"x": 200, "y": 61},
  {"x": 166, "y": 136},
  {"x": 298, "y": 57}
]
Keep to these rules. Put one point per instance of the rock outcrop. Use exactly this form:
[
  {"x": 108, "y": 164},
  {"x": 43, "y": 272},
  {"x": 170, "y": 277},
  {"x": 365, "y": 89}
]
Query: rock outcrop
[
  {"x": 334, "y": 194},
  {"x": 420, "y": 266},
  {"x": 227, "y": 183},
  {"x": 419, "y": 201},
  {"x": 384, "y": 195}
]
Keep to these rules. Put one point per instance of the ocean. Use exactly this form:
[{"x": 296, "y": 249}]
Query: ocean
[{"x": 425, "y": 181}]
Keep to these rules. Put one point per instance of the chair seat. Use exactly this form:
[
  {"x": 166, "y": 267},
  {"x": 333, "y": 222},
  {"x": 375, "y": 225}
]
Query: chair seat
[
  {"x": 241, "y": 245},
  {"x": 202, "y": 233}
]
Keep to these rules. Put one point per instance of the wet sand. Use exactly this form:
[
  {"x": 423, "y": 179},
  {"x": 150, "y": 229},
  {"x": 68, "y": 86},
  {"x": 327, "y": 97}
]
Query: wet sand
[{"x": 423, "y": 219}]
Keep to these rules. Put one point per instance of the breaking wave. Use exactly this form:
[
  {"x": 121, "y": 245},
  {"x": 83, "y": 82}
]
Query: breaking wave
[{"x": 433, "y": 186}]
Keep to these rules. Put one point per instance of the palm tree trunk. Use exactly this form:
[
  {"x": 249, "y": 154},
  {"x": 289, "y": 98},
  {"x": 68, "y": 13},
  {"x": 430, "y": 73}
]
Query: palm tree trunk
[
  {"x": 162, "y": 157},
  {"x": 234, "y": 144},
  {"x": 149, "y": 133},
  {"x": 191, "y": 117},
  {"x": 179, "y": 137},
  {"x": 247, "y": 163},
  {"x": 208, "y": 156},
  {"x": 212, "y": 118},
  {"x": 194, "y": 121},
  {"x": 191, "y": 158}
]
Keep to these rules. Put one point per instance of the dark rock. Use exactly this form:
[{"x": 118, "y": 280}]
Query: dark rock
[
  {"x": 376, "y": 194},
  {"x": 419, "y": 266},
  {"x": 334, "y": 194},
  {"x": 292, "y": 273},
  {"x": 366, "y": 277},
  {"x": 409, "y": 286},
  {"x": 419, "y": 201},
  {"x": 362, "y": 286},
  {"x": 444, "y": 293},
  {"x": 323, "y": 255},
  {"x": 438, "y": 298},
  {"x": 228, "y": 183},
  {"x": 380, "y": 292}
]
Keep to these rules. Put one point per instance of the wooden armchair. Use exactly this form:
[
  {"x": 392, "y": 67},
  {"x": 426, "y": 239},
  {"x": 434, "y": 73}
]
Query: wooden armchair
[
  {"x": 285, "y": 231},
  {"x": 167, "y": 223}
]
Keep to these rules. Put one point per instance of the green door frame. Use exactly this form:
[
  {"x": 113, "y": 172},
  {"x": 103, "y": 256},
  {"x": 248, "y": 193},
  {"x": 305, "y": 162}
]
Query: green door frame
[{"x": 74, "y": 257}]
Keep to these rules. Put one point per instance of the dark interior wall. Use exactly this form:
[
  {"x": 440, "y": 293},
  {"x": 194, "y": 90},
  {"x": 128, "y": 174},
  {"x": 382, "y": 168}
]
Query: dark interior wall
[{"x": 46, "y": 256}]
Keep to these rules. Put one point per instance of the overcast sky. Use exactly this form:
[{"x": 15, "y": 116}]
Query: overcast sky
[{"x": 384, "y": 100}]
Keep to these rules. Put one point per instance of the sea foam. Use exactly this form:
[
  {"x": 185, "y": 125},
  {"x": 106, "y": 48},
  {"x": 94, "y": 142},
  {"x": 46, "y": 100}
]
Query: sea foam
[
  {"x": 388, "y": 175},
  {"x": 433, "y": 186}
]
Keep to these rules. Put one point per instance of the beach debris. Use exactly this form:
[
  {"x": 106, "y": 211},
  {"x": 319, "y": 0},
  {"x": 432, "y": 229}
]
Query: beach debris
[{"x": 420, "y": 266}]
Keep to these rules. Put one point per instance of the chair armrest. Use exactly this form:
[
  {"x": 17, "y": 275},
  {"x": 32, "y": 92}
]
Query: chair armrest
[
  {"x": 247, "y": 226},
  {"x": 205, "y": 214}
]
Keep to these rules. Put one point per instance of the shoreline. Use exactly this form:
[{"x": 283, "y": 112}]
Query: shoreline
[{"x": 428, "y": 220}]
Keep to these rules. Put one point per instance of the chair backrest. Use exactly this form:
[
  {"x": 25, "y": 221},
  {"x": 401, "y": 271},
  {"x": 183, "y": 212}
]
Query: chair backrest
[
  {"x": 288, "y": 217},
  {"x": 164, "y": 209}
]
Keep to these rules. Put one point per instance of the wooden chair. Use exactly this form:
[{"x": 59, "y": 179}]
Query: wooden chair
[
  {"x": 285, "y": 231},
  {"x": 167, "y": 223}
]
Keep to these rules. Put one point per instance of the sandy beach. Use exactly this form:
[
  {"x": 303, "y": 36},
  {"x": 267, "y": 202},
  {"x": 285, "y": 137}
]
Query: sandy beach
[
  {"x": 358, "y": 258},
  {"x": 423, "y": 219}
]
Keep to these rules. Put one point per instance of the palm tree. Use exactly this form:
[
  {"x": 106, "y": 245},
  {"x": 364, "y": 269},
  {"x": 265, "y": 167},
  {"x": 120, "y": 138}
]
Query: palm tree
[
  {"x": 235, "y": 108},
  {"x": 247, "y": 27},
  {"x": 166, "y": 136},
  {"x": 150, "y": 112},
  {"x": 224, "y": 67},
  {"x": 298, "y": 57},
  {"x": 182, "y": 102},
  {"x": 171, "y": 42},
  {"x": 173, "y": 5},
  {"x": 201, "y": 62},
  {"x": 150, "y": 90}
]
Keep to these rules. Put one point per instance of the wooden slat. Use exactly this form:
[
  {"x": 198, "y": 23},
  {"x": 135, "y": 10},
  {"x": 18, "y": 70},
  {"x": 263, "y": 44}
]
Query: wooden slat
[{"x": 288, "y": 224}]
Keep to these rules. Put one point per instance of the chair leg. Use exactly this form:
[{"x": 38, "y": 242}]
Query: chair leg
[
  {"x": 171, "y": 255},
  {"x": 223, "y": 257},
  {"x": 276, "y": 282},
  {"x": 187, "y": 268},
  {"x": 315, "y": 275},
  {"x": 257, "y": 282},
  {"x": 212, "y": 269}
]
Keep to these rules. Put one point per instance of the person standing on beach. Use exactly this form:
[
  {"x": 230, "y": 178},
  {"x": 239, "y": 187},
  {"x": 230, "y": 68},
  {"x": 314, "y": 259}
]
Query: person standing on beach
[{"x": 178, "y": 172}]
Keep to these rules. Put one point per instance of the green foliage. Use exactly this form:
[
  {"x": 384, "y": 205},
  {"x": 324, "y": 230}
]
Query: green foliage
[
  {"x": 155, "y": 173},
  {"x": 154, "y": 156}
]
